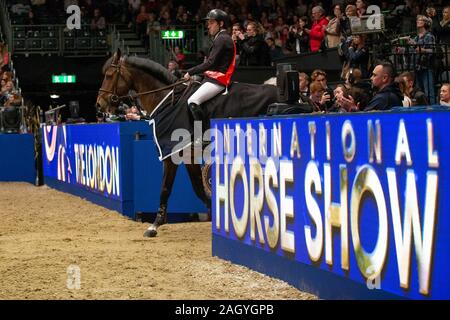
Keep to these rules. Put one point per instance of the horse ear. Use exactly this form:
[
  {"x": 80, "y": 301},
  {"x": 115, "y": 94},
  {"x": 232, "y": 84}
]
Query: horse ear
[{"x": 118, "y": 53}]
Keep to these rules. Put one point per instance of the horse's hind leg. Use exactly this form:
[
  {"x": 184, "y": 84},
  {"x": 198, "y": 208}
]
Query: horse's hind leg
[{"x": 169, "y": 173}]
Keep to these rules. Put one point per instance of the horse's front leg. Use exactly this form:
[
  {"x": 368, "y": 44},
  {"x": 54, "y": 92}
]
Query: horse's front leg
[
  {"x": 169, "y": 173},
  {"x": 195, "y": 175}
]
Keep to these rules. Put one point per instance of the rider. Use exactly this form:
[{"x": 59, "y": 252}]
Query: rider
[{"x": 218, "y": 66}]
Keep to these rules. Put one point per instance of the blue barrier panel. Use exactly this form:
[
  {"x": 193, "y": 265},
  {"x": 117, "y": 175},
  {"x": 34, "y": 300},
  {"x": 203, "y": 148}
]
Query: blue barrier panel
[
  {"x": 148, "y": 186},
  {"x": 17, "y": 158},
  {"x": 107, "y": 165},
  {"x": 343, "y": 206}
]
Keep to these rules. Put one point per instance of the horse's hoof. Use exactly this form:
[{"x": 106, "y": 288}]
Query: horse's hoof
[{"x": 150, "y": 233}]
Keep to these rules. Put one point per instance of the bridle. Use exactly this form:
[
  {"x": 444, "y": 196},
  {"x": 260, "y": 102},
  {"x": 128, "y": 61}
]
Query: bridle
[{"x": 114, "y": 98}]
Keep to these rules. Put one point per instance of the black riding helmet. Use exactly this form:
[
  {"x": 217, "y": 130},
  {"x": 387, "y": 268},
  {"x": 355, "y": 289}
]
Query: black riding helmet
[{"x": 218, "y": 15}]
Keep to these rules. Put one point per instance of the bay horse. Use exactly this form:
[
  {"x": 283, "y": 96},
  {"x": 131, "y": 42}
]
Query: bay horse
[{"x": 153, "y": 82}]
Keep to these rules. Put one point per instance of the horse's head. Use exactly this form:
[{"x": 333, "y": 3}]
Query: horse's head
[{"x": 116, "y": 84}]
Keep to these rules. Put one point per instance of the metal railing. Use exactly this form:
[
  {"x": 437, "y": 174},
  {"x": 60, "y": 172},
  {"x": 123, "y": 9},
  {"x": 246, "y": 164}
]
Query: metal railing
[
  {"x": 431, "y": 68},
  {"x": 194, "y": 40}
]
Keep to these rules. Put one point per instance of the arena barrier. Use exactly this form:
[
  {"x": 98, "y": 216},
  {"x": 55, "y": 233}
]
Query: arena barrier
[
  {"x": 114, "y": 165},
  {"x": 17, "y": 158},
  {"x": 345, "y": 206}
]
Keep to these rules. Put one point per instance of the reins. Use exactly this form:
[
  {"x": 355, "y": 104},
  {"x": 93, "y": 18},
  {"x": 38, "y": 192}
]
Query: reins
[{"x": 136, "y": 95}]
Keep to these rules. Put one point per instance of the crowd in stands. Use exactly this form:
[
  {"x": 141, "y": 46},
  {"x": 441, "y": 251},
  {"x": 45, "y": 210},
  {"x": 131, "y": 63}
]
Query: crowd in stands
[
  {"x": 267, "y": 30},
  {"x": 9, "y": 96}
]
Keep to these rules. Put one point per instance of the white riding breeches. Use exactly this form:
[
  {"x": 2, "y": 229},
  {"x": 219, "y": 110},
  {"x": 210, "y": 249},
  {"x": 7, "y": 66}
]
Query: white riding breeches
[{"x": 206, "y": 91}]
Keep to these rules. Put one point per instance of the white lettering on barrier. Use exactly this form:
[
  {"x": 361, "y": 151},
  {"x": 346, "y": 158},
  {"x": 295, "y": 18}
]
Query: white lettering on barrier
[
  {"x": 262, "y": 184},
  {"x": 98, "y": 168}
]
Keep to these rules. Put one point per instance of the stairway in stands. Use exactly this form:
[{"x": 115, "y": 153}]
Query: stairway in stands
[{"x": 129, "y": 41}]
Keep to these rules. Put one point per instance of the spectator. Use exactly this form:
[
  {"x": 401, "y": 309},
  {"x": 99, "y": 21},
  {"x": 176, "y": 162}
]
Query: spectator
[
  {"x": 317, "y": 92},
  {"x": 431, "y": 13},
  {"x": 255, "y": 51},
  {"x": 320, "y": 77},
  {"x": 339, "y": 103},
  {"x": 7, "y": 93},
  {"x": 236, "y": 33},
  {"x": 317, "y": 31},
  {"x": 303, "y": 84},
  {"x": 356, "y": 54},
  {"x": 357, "y": 88},
  {"x": 178, "y": 56},
  {"x": 417, "y": 96},
  {"x": 346, "y": 26},
  {"x": 274, "y": 50},
  {"x": 165, "y": 21},
  {"x": 406, "y": 102},
  {"x": 443, "y": 29},
  {"x": 333, "y": 29},
  {"x": 361, "y": 7},
  {"x": 4, "y": 58},
  {"x": 388, "y": 94},
  {"x": 153, "y": 26},
  {"x": 425, "y": 43},
  {"x": 445, "y": 95},
  {"x": 173, "y": 68},
  {"x": 298, "y": 39},
  {"x": 141, "y": 21},
  {"x": 301, "y": 9},
  {"x": 98, "y": 21}
]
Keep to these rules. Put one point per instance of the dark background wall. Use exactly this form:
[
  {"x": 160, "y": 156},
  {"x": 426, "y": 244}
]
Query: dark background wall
[{"x": 35, "y": 79}]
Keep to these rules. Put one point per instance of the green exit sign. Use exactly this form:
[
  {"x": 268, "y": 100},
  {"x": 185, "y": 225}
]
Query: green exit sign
[
  {"x": 64, "y": 78},
  {"x": 172, "y": 34}
]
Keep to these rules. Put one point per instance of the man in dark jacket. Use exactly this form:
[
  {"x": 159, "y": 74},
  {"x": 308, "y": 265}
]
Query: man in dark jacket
[{"x": 388, "y": 95}]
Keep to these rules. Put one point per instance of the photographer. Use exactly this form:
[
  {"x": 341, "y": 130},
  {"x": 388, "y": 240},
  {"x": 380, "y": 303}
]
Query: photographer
[
  {"x": 356, "y": 54},
  {"x": 236, "y": 34},
  {"x": 298, "y": 40},
  {"x": 255, "y": 51}
]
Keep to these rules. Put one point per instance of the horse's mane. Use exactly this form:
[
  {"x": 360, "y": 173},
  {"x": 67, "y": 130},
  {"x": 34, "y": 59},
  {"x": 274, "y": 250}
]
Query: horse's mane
[{"x": 148, "y": 66}]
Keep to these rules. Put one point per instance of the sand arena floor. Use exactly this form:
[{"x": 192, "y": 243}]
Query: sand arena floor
[{"x": 44, "y": 231}]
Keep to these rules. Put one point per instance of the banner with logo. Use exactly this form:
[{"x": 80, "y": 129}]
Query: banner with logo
[
  {"x": 364, "y": 196},
  {"x": 85, "y": 156}
]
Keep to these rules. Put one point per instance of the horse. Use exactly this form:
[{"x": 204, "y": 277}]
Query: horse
[{"x": 153, "y": 83}]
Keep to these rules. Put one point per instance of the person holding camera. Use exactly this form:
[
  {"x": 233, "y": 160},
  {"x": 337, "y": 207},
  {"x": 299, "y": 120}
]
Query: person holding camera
[
  {"x": 356, "y": 54},
  {"x": 298, "y": 40},
  {"x": 255, "y": 51}
]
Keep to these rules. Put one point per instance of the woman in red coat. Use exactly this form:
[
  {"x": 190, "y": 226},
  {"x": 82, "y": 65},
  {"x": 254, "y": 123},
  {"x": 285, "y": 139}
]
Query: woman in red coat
[{"x": 317, "y": 31}]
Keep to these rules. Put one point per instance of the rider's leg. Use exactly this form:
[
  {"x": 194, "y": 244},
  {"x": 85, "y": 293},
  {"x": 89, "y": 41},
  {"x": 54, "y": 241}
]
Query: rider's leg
[{"x": 206, "y": 91}]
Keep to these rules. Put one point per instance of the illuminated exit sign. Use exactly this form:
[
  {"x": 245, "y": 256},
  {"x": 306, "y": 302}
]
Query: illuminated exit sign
[
  {"x": 172, "y": 34},
  {"x": 64, "y": 78}
]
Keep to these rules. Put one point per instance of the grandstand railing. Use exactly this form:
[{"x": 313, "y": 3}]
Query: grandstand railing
[
  {"x": 195, "y": 39},
  {"x": 405, "y": 58}
]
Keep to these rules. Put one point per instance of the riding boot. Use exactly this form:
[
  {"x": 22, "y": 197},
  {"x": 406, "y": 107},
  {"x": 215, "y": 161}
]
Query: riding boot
[
  {"x": 161, "y": 218},
  {"x": 198, "y": 115},
  {"x": 196, "y": 111}
]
